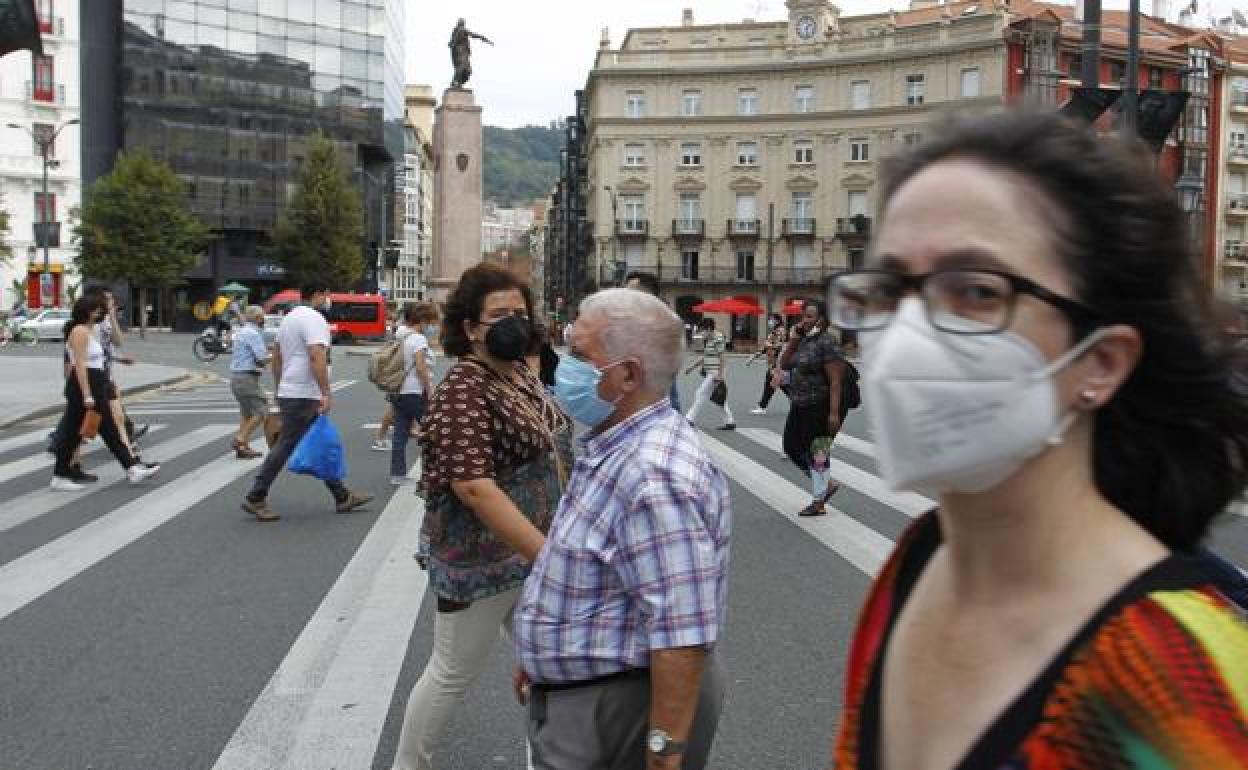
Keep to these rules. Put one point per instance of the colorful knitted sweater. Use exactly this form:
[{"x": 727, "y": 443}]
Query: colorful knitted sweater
[{"x": 1156, "y": 680}]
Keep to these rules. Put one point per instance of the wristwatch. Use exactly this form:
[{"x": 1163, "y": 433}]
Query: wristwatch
[{"x": 661, "y": 744}]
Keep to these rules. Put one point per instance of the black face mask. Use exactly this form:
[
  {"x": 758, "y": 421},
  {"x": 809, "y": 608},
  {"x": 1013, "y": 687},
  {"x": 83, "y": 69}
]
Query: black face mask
[{"x": 508, "y": 338}]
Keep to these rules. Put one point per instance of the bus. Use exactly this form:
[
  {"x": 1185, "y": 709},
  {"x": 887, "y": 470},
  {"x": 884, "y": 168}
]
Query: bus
[{"x": 351, "y": 316}]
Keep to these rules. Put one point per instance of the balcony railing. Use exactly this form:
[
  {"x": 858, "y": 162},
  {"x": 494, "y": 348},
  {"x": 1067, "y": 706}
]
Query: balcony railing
[
  {"x": 52, "y": 95},
  {"x": 1238, "y": 205},
  {"x": 798, "y": 227},
  {"x": 636, "y": 228},
  {"x": 1235, "y": 251},
  {"x": 855, "y": 225},
  {"x": 1237, "y": 152},
  {"x": 734, "y": 275},
  {"x": 689, "y": 228},
  {"x": 743, "y": 228},
  {"x": 1239, "y": 99}
]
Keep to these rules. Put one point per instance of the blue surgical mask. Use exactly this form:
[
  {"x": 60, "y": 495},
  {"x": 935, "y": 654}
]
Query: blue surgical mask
[
  {"x": 576, "y": 387},
  {"x": 431, "y": 330}
]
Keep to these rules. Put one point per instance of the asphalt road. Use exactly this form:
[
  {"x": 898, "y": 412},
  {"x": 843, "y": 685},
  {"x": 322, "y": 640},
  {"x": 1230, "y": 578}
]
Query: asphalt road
[{"x": 161, "y": 627}]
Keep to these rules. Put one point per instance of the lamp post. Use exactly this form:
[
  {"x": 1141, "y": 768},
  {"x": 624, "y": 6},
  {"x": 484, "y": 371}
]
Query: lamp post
[
  {"x": 45, "y": 144},
  {"x": 615, "y": 236}
]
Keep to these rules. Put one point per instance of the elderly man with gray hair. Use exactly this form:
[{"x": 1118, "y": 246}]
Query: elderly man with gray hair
[
  {"x": 246, "y": 367},
  {"x": 615, "y": 631}
]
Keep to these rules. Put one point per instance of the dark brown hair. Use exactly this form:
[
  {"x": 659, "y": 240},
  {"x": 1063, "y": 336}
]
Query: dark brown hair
[
  {"x": 417, "y": 312},
  {"x": 467, "y": 300},
  {"x": 1171, "y": 448}
]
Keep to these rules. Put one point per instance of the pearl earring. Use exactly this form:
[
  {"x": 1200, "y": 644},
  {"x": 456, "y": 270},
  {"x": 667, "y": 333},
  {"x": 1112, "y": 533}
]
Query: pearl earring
[{"x": 1088, "y": 397}]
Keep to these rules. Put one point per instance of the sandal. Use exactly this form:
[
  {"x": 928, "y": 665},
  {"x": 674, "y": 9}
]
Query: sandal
[{"x": 814, "y": 509}]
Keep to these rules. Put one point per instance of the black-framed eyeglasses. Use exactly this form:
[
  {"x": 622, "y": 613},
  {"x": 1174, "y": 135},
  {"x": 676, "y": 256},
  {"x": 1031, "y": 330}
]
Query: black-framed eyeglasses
[{"x": 957, "y": 301}]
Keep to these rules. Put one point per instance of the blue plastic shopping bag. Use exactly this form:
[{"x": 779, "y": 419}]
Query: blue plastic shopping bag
[{"x": 320, "y": 452}]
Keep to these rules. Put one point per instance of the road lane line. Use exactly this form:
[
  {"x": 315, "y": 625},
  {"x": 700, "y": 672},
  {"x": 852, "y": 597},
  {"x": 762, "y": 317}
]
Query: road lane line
[
  {"x": 31, "y": 506},
  {"x": 151, "y": 412},
  {"x": 29, "y": 577},
  {"x": 909, "y": 503},
  {"x": 855, "y": 445},
  {"x": 326, "y": 704},
  {"x": 42, "y": 460},
  {"x": 852, "y": 540}
]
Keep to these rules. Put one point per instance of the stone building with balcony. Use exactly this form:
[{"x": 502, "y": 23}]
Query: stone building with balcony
[
  {"x": 1231, "y": 233},
  {"x": 38, "y": 97},
  {"x": 741, "y": 159}
]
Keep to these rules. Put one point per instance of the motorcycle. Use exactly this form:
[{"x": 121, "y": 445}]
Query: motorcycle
[{"x": 208, "y": 345}]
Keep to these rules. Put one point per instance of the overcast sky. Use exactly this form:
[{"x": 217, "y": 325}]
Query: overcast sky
[{"x": 544, "y": 49}]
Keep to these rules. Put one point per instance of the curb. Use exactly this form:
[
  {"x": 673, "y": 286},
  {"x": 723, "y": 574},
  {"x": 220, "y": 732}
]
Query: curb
[{"x": 45, "y": 411}]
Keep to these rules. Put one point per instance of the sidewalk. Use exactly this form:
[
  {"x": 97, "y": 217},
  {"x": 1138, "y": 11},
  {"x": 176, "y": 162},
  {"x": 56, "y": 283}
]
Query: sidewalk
[{"x": 32, "y": 387}]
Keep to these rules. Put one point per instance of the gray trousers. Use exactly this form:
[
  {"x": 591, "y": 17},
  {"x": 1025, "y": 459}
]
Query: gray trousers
[
  {"x": 298, "y": 414},
  {"x": 603, "y": 727}
]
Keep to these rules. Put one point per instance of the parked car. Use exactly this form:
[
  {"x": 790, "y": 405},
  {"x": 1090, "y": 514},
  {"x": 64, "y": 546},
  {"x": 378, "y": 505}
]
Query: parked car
[{"x": 47, "y": 324}]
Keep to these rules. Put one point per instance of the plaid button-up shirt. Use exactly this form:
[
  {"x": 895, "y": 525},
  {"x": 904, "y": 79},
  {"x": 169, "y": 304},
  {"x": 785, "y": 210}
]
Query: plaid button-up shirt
[{"x": 637, "y": 556}]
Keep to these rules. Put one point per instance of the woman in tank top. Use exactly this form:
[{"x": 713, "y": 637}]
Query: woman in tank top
[{"x": 86, "y": 390}]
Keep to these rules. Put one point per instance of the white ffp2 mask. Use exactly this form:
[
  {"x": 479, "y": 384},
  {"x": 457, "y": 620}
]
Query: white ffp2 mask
[{"x": 959, "y": 413}]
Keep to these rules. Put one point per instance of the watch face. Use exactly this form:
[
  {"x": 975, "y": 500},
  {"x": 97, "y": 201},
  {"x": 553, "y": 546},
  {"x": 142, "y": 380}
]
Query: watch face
[
  {"x": 806, "y": 27},
  {"x": 656, "y": 741}
]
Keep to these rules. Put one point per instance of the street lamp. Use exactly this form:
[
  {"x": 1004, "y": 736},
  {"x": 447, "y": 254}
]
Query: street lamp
[
  {"x": 45, "y": 143},
  {"x": 615, "y": 238}
]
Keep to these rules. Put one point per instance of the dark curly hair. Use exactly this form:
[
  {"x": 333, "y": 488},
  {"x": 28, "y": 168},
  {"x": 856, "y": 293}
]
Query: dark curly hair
[
  {"x": 1171, "y": 448},
  {"x": 467, "y": 300}
]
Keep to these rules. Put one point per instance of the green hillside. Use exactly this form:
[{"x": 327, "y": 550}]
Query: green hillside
[{"x": 521, "y": 163}]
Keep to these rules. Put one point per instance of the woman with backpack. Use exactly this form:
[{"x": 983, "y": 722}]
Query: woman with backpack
[
  {"x": 816, "y": 367},
  {"x": 409, "y": 403}
]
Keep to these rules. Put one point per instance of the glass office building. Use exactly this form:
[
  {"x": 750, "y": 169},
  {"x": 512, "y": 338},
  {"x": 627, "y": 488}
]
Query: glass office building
[{"x": 230, "y": 93}]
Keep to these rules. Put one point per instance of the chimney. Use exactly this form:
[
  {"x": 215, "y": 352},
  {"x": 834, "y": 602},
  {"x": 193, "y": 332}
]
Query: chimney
[
  {"x": 1161, "y": 9},
  {"x": 1078, "y": 10},
  {"x": 605, "y": 40},
  {"x": 686, "y": 18}
]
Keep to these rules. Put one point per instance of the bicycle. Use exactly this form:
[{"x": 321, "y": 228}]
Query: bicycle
[{"x": 208, "y": 345}]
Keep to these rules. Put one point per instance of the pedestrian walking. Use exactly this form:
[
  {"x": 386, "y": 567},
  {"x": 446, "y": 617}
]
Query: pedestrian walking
[
  {"x": 615, "y": 632},
  {"x": 87, "y": 393},
  {"x": 300, "y": 366},
  {"x": 714, "y": 388},
  {"x": 1037, "y": 351},
  {"x": 776, "y": 338},
  {"x": 109, "y": 332},
  {"x": 495, "y": 448},
  {"x": 409, "y": 402},
  {"x": 247, "y": 363},
  {"x": 649, "y": 283},
  {"x": 816, "y": 407}
]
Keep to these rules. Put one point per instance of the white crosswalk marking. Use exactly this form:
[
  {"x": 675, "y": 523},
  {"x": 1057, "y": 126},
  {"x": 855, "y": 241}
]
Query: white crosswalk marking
[
  {"x": 29, "y": 577},
  {"x": 42, "y": 460},
  {"x": 25, "y": 440},
  {"x": 857, "y": 543},
  {"x": 31, "y": 506},
  {"x": 327, "y": 702},
  {"x": 194, "y": 402},
  {"x": 870, "y": 485}
]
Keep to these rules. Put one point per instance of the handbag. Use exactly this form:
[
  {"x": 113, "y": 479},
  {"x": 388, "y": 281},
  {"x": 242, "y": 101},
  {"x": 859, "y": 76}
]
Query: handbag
[
  {"x": 90, "y": 424},
  {"x": 719, "y": 394}
]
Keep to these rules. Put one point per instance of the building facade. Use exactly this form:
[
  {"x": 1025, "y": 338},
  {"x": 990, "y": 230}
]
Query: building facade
[
  {"x": 741, "y": 160},
  {"x": 230, "y": 93},
  {"x": 409, "y": 281},
  {"x": 504, "y": 228},
  {"x": 38, "y": 97}
]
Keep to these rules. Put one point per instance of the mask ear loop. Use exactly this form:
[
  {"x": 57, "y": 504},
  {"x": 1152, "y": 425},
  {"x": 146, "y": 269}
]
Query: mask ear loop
[{"x": 1058, "y": 436}]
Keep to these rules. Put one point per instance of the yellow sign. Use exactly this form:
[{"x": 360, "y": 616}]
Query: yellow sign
[{"x": 202, "y": 310}]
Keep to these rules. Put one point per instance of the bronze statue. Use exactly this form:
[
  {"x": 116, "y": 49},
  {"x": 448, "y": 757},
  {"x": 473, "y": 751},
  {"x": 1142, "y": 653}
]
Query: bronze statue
[{"x": 461, "y": 52}]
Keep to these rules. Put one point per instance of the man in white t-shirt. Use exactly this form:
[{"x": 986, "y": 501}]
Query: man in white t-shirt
[
  {"x": 301, "y": 369},
  {"x": 409, "y": 403}
]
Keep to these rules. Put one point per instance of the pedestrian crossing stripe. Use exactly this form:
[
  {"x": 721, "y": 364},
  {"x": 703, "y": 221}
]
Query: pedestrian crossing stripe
[
  {"x": 24, "y": 440},
  {"x": 42, "y": 460},
  {"x": 200, "y": 405},
  {"x": 31, "y": 506},
  {"x": 34, "y": 574}
]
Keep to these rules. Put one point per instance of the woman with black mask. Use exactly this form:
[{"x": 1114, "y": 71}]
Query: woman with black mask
[
  {"x": 495, "y": 449},
  {"x": 87, "y": 392}
]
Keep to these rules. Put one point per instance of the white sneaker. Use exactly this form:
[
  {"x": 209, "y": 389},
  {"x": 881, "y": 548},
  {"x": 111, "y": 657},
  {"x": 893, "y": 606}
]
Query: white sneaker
[
  {"x": 142, "y": 471},
  {"x": 381, "y": 445},
  {"x": 62, "y": 484},
  {"x": 758, "y": 410}
]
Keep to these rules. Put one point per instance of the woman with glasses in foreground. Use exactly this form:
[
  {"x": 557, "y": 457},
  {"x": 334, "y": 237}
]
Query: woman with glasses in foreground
[{"x": 1035, "y": 353}]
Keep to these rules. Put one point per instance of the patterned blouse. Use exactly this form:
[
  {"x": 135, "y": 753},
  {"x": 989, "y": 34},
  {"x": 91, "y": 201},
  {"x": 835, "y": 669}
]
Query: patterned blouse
[
  {"x": 809, "y": 385},
  {"x": 1157, "y": 679},
  {"x": 479, "y": 426}
]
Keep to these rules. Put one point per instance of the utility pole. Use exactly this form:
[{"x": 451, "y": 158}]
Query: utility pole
[
  {"x": 615, "y": 235},
  {"x": 771, "y": 240},
  {"x": 1131, "y": 87},
  {"x": 45, "y": 230},
  {"x": 1091, "y": 50}
]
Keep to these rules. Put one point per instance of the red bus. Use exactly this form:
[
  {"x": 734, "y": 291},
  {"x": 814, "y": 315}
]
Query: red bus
[{"x": 351, "y": 316}]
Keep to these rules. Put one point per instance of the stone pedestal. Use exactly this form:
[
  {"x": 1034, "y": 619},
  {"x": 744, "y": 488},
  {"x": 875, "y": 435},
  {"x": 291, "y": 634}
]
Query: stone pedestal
[{"x": 456, "y": 190}]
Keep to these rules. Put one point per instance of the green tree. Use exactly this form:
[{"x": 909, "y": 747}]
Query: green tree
[
  {"x": 320, "y": 235},
  {"x": 137, "y": 228}
]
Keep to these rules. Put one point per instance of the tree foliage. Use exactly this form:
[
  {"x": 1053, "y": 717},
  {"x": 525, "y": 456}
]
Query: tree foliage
[
  {"x": 6, "y": 249},
  {"x": 320, "y": 235},
  {"x": 136, "y": 226},
  {"x": 521, "y": 164}
]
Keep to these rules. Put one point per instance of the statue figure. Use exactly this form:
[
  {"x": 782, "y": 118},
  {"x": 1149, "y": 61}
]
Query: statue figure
[{"x": 461, "y": 52}]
